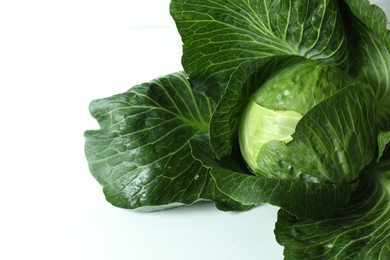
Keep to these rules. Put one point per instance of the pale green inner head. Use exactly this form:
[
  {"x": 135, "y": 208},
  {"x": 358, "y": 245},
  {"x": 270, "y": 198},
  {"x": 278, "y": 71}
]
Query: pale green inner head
[{"x": 260, "y": 125}]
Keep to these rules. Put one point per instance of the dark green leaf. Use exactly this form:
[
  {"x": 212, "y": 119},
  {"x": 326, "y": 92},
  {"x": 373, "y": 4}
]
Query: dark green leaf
[
  {"x": 383, "y": 141},
  {"x": 370, "y": 53},
  {"x": 301, "y": 198},
  {"x": 141, "y": 155},
  {"x": 219, "y": 35},
  {"x": 360, "y": 230},
  {"x": 372, "y": 16}
]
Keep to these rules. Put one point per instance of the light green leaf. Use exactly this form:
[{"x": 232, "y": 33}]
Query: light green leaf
[
  {"x": 360, "y": 230},
  {"x": 219, "y": 35}
]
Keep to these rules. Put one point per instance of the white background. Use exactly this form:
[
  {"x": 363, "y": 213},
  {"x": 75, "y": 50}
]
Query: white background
[{"x": 55, "y": 57}]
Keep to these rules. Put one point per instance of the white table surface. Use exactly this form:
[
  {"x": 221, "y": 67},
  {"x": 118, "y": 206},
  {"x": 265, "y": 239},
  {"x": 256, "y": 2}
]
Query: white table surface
[{"x": 55, "y": 57}]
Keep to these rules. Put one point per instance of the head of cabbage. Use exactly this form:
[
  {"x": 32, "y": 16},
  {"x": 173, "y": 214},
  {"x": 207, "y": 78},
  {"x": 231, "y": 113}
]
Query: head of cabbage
[{"x": 275, "y": 109}]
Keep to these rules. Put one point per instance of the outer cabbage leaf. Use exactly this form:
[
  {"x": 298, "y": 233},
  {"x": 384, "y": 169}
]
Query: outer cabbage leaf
[
  {"x": 383, "y": 141},
  {"x": 360, "y": 230},
  {"x": 301, "y": 198},
  {"x": 370, "y": 43},
  {"x": 372, "y": 16},
  {"x": 141, "y": 155},
  {"x": 219, "y": 35}
]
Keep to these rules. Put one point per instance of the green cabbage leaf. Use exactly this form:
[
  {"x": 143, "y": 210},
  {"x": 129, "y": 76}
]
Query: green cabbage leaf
[{"x": 359, "y": 230}]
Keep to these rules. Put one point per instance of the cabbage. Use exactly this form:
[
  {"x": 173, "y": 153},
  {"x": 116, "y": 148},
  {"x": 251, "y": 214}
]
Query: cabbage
[{"x": 280, "y": 102}]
